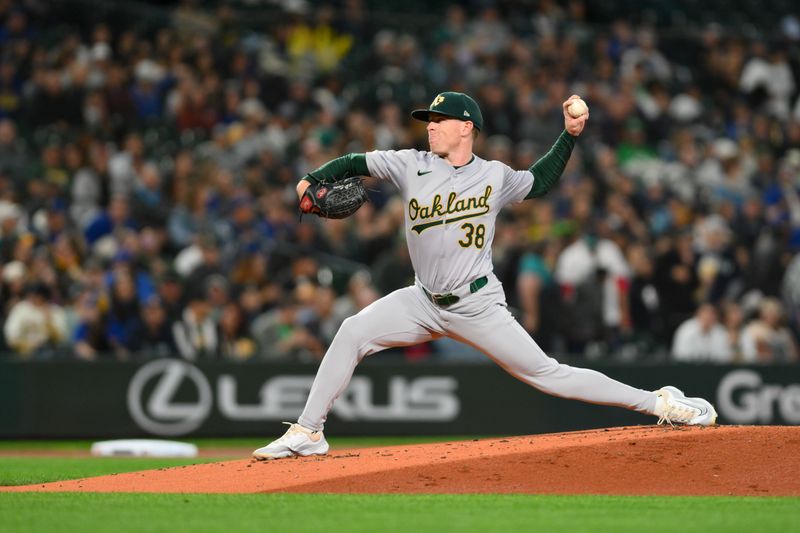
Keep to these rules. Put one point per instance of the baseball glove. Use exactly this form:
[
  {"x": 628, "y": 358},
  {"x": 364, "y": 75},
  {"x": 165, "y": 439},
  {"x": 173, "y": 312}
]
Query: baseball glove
[{"x": 338, "y": 199}]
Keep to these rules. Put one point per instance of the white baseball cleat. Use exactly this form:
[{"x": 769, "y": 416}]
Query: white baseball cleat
[
  {"x": 297, "y": 440},
  {"x": 672, "y": 406}
]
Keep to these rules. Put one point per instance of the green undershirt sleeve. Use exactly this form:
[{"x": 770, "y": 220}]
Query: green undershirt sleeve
[
  {"x": 340, "y": 168},
  {"x": 548, "y": 169}
]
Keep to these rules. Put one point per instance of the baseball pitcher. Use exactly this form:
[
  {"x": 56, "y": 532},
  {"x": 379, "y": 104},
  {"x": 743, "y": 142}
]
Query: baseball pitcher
[{"x": 452, "y": 198}]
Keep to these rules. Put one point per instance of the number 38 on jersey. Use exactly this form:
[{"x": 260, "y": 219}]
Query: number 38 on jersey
[{"x": 474, "y": 235}]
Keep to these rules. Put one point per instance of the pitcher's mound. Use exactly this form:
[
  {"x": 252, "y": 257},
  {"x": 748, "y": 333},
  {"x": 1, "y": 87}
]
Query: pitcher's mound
[{"x": 724, "y": 460}]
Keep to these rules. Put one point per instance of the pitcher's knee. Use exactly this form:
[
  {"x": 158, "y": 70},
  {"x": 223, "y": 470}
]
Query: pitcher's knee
[{"x": 351, "y": 337}]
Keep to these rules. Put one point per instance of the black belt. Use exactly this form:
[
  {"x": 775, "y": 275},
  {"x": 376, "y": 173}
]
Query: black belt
[{"x": 448, "y": 298}]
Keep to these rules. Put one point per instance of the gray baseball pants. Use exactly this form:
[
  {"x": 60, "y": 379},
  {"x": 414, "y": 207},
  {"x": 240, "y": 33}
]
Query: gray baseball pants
[{"x": 406, "y": 317}]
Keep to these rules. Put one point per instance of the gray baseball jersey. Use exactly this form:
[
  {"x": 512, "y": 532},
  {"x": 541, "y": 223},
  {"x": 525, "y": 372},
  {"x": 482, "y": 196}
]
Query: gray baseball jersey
[
  {"x": 450, "y": 223},
  {"x": 450, "y": 212}
]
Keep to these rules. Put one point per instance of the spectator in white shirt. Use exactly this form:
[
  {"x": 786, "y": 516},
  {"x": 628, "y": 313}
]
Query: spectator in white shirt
[
  {"x": 702, "y": 339},
  {"x": 35, "y": 327},
  {"x": 766, "y": 339},
  {"x": 581, "y": 261},
  {"x": 768, "y": 72}
]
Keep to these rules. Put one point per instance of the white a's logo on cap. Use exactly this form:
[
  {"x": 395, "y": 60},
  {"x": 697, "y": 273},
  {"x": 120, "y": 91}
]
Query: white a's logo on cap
[
  {"x": 466, "y": 113},
  {"x": 438, "y": 100}
]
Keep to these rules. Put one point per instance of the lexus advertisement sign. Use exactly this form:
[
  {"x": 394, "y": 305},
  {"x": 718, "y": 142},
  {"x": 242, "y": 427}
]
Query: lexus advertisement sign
[
  {"x": 157, "y": 409},
  {"x": 175, "y": 398}
]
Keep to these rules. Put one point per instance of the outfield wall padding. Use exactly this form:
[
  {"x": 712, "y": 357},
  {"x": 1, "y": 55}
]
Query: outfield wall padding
[{"x": 174, "y": 398}]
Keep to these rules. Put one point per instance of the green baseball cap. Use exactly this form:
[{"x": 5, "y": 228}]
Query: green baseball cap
[{"x": 452, "y": 104}]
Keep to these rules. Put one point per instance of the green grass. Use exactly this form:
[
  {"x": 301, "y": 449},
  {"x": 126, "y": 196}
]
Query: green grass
[
  {"x": 83, "y": 512},
  {"x": 30, "y": 470},
  {"x": 23, "y": 512}
]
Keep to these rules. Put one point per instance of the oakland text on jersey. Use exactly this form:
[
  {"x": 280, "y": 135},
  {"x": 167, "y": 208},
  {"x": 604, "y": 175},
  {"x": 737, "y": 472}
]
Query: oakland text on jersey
[{"x": 454, "y": 205}]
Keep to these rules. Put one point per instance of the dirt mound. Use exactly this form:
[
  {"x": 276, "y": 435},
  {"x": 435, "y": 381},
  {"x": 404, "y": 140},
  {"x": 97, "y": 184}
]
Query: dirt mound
[{"x": 725, "y": 460}]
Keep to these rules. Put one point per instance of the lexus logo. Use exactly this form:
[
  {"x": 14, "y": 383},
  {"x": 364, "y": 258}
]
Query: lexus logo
[
  {"x": 160, "y": 414},
  {"x": 153, "y": 398}
]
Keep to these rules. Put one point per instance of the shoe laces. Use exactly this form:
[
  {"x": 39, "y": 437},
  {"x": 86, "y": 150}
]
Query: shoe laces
[
  {"x": 293, "y": 428},
  {"x": 676, "y": 412}
]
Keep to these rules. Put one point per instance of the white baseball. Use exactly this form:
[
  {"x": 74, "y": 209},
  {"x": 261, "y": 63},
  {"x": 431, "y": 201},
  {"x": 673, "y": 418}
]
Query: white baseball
[{"x": 577, "y": 108}]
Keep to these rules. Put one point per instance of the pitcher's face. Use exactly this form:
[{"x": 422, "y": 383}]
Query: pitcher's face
[{"x": 445, "y": 134}]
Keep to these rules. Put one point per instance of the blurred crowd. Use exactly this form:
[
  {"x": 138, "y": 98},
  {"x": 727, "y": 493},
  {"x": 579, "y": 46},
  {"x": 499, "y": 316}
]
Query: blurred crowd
[{"x": 147, "y": 175}]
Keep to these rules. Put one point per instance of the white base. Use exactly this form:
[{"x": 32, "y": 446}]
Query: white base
[{"x": 144, "y": 448}]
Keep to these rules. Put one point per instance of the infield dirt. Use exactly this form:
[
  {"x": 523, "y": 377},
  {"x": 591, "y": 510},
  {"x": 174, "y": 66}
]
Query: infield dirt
[{"x": 646, "y": 460}]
